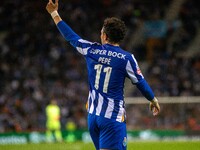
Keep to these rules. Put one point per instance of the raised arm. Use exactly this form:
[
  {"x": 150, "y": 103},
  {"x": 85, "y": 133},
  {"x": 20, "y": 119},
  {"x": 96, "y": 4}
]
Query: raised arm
[
  {"x": 75, "y": 40},
  {"x": 64, "y": 29},
  {"x": 52, "y": 9}
]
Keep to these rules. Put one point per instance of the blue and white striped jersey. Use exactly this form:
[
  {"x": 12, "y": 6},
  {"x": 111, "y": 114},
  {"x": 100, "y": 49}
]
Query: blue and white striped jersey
[{"x": 107, "y": 66}]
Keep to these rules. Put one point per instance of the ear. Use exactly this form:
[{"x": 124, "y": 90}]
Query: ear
[{"x": 105, "y": 36}]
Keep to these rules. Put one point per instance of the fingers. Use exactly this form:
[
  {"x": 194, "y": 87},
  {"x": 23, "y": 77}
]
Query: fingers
[
  {"x": 50, "y": 3},
  {"x": 47, "y": 5},
  {"x": 54, "y": 4},
  {"x": 155, "y": 111},
  {"x": 155, "y": 108},
  {"x": 56, "y": 1},
  {"x": 158, "y": 107},
  {"x": 151, "y": 106}
]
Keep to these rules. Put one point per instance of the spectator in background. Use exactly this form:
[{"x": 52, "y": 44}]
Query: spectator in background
[
  {"x": 105, "y": 105},
  {"x": 32, "y": 70},
  {"x": 155, "y": 31},
  {"x": 53, "y": 122}
]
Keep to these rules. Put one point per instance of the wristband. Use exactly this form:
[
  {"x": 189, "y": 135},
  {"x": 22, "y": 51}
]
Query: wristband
[
  {"x": 54, "y": 14},
  {"x": 154, "y": 100}
]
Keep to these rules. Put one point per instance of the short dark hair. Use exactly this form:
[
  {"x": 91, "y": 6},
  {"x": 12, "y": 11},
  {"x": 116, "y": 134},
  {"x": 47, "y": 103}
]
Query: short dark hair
[{"x": 115, "y": 29}]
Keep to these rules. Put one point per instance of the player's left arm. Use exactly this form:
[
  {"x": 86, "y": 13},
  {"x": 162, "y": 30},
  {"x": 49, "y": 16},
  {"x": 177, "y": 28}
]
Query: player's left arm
[
  {"x": 137, "y": 78},
  {"x": 75, "y": 40}
]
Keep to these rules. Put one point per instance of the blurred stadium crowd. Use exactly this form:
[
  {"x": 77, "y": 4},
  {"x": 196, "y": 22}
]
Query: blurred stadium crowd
[{"x": 37, "y": 64}]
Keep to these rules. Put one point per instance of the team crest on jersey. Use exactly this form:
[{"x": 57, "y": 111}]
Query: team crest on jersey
[{"x": 125, "y": 141}]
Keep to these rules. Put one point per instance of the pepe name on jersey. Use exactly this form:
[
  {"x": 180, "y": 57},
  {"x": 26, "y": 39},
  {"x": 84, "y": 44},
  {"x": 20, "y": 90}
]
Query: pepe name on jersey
[{"x": 110, "y": 54}]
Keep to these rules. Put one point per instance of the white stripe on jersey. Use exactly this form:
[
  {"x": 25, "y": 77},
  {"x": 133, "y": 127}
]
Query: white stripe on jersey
[
  {"x": 85, "y": 41},
  {"x": 99, "y": 106},
  {"x": 137, "y": 66},
  {"x": 121, "y": 112},
  {"x": 81, "y": 50},
  {"x": 110, "y": 108},
  {"x": 131, "y": 73},
  {"x": 135, "y": 60},
  {"x": 91, "y": 109}
]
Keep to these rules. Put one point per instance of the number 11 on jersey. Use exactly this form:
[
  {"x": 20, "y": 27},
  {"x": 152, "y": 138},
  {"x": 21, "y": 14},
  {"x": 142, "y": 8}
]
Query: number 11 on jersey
[{"x": 107, "y": 71}]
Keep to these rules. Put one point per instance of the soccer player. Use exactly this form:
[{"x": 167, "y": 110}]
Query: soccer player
[
  {"x": 53, "y": 122},
  {"x": 108, "y": 65}
]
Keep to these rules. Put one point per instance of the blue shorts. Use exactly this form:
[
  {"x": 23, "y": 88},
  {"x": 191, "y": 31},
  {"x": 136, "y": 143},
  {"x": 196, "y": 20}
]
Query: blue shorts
[{"x": 107, "y": 133}]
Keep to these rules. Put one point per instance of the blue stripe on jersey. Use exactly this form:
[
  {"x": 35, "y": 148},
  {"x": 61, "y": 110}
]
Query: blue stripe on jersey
[
  {"x": 116, "y": 109},
  {"x": 89, "y": 101},
  {"x": 104, "y": 108},
  {"x": 95, "y": 103}
]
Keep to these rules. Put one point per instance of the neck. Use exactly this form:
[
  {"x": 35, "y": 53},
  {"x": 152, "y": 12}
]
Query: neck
[{"x": 114, "y": 44}]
